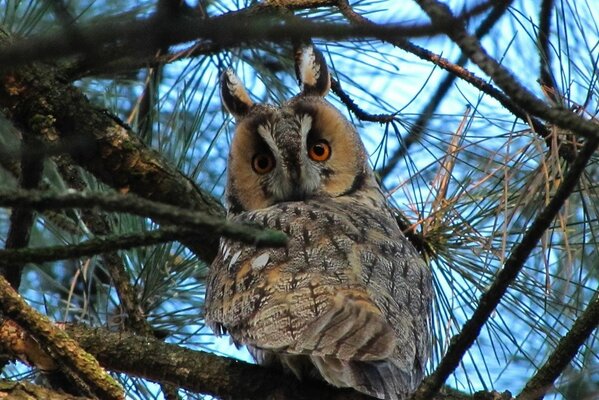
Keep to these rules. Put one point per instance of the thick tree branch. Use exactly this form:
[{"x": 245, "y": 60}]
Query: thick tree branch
[
  {"x": 28, "y": 391},
  {"x": 254, "y": 24},
  {"x": 491, "y": 298},
  {"x": 37, "y": 100},
  {"x": 81, "y": 367},
  {"x": 207, "y": 373},
  {"x": 201, "y": 223},
  {"x": 199, "y": 371}
]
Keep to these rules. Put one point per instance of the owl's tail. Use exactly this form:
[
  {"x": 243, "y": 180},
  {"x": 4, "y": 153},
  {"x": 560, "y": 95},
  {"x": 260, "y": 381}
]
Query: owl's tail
[
  {"x": 381, "y": 379},
  {"x": 352, "y": 345}
]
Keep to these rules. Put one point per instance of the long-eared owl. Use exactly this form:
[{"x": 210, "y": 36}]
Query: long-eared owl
[{"x": 349, "y": 298}]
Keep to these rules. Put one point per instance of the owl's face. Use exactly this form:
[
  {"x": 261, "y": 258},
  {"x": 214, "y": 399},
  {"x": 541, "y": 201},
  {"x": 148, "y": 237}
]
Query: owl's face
[{"x": 302, "y": 149}]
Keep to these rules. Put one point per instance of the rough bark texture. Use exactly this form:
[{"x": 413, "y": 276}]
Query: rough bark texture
[{"x": 39, "y": 102}]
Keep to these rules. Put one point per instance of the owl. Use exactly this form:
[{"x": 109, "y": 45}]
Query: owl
[{"x": 349, "y": 298}]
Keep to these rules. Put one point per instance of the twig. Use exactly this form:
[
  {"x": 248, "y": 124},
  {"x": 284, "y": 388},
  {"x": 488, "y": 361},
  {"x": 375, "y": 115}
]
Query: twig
[
  {"x": 42, "y": 200},
  {"x": 546, "y": 77},
  {"x": 85, "y": 370},
  {"x": 92, "y": 247},
  {"x": 491, "y": 298},
  {"x": 358, "y": 112},
  {"x": 563, "y": 354}
]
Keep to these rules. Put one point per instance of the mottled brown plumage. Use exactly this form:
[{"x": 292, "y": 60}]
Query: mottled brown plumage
[{"x": 349, "y": 298}]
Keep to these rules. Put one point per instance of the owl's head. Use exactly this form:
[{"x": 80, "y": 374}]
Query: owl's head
[{"x": 301, "y": 149}]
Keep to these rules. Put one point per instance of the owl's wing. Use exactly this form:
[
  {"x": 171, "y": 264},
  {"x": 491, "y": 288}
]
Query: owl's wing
[{"x": 350, "y": 327}]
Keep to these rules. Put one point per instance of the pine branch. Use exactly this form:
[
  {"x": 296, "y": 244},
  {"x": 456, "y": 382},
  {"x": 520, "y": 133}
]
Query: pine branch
[
  {"x": 439, "y": 13},
  {"x": 22, "y": 219},
  {"x": 82, "y": 369},
  {"x": 207, "y": 373},
  {"x": 199, "y": 222},
  {"x": 513, "y": 265},
  {"x": 563, "y": 354},
  {"x": 25, "y": 390},
  {"x": 253, "y": 24},
  {"x": 37, "y": 99},
  {"x": 94, "y": 246}
]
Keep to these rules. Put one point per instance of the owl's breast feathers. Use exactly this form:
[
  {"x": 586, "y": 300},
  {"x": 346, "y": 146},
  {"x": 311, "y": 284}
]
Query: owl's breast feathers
[{"x": 348, "y": 287}]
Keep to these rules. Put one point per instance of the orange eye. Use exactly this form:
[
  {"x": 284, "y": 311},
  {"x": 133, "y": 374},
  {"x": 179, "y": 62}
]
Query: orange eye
[
  {"x": 320, "y": 150},
  {"x": 263, "y": 163}
]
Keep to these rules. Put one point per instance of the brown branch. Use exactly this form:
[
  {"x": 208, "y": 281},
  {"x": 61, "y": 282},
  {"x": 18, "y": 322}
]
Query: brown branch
[
  {"x": 439, "y": 13},
  {"x": 546, "y": 77},
  {"x": 199, "y": 222},
  {"x": 202, "y": 372},
  {"x": 24, "y": 390},
  {"x": 21, "y": 219},
  {"x": 491, "y": 298},
  {"x": 456, "y": 69},
  {"x": 254, "y": 24},
  {"x": 207, "y": 373},
  {"x": 93, "y": 246},
  {"x": 199, "y": 371},
  {"x": 81, "y": 367},
  {"x": 563, "y": 354}
]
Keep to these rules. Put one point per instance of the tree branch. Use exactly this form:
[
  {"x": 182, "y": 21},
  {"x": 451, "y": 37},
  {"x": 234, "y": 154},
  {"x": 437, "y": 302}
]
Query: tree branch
[
  {"x": 37, "y": 100},
  {"x": 29, "y": 391},
  {"x": 546, "y": 77},
  {"x": 253, "y": 24},
  {"x": 201, "y": 223},
  {"x": 491, "y": 298},
  {"x": 22, "y": 219},
  {"x": 207, "y": 373},
  {"x": 82, "y": 369},
  {"x": 563, "y": 354},
  {"x": 92, "y": 247},
  {"x": 439, "y": 13}
]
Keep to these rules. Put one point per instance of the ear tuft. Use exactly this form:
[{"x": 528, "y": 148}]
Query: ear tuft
[
  {"x": 312, "y": 71},
  {"x": 234, "y": 96}
]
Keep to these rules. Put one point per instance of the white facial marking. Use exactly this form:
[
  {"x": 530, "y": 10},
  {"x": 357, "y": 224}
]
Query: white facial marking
[{"x": 265, "y": 132}]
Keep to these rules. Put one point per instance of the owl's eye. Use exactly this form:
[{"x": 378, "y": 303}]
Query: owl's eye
[
  {"x": 320, "y": 150},
  {"x": 263, "y": 163}
]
